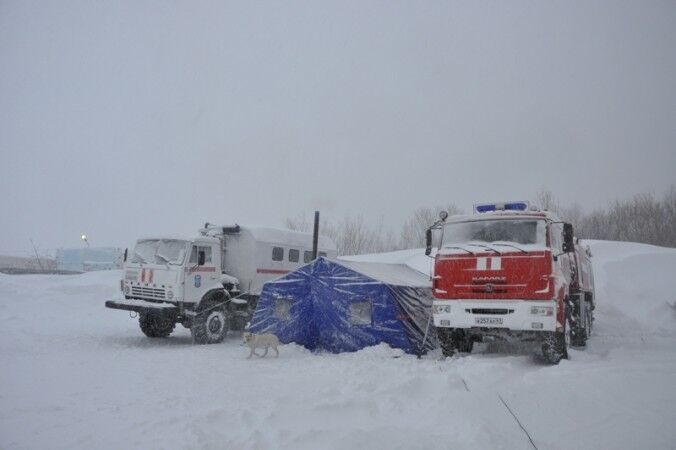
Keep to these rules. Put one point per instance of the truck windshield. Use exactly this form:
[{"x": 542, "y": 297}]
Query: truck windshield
[
  {"x": 518, "y": 231},
  {"x": 159, "y": 251}
]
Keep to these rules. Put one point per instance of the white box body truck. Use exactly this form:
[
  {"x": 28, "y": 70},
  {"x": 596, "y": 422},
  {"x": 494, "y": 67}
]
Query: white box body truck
[{"x": 209, "y": 283}]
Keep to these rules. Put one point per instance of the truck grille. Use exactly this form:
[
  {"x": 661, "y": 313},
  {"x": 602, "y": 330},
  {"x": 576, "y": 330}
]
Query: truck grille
[{"x": 147, "y": 292}]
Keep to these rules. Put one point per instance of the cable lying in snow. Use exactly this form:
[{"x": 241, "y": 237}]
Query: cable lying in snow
[{"x": 517, "y": 421}]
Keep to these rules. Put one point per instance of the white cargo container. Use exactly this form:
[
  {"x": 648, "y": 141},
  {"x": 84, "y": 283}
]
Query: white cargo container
[{"x": 255, "y": 255}]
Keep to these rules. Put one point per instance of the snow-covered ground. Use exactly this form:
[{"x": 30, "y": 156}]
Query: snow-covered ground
[{"x": 76, "y": 375}]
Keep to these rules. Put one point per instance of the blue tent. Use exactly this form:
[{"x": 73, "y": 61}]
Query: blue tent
[{"x": 342, "y": 306}]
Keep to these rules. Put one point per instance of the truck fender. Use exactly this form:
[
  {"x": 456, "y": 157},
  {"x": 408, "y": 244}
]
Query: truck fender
[{"x": 217, "y": 294}]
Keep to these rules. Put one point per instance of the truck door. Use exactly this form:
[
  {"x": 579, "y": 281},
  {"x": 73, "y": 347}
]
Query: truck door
[{"x": 200, "y": 279}]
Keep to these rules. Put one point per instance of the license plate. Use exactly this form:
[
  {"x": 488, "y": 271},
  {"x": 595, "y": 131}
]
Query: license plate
[
  {"x": 445, "y": 323},
  {"x": 488, "y": 320}
]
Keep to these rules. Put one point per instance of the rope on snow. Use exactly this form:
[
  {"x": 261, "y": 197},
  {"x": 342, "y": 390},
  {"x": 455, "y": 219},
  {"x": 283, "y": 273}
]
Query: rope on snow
[{"x": 518, "y": 421}]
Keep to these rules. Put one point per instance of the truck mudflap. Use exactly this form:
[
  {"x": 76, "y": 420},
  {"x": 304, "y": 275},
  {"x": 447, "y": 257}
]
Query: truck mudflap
[{"x": 142, "y": 306}]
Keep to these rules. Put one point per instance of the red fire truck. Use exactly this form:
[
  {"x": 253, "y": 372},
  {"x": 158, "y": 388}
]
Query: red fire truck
[{"x": 511, "y": 272}]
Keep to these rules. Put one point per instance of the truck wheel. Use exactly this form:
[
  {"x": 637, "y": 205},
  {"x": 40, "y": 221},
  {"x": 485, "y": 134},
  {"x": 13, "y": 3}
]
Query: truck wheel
[
  {"x": 590, "y": 322},
  {"x": 445, "y": 341},
  {"x": 581, "y": 333},
  {"x": 466, "y": 344},
  {"x": 156, "y": 325},
  {"x": 454, "y": 340},
  {"x": 555, "y": 345},
  {"x": 210, "y": 325},
  {"x": 578, "y": 335}
]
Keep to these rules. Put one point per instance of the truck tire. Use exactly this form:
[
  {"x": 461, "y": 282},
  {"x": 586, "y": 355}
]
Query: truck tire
[
  {"x": 581, "y": 330},
  {"x": 453, "y": 340},
  {"x": 156, "y": 325},
  {"x": 555, "y": 345},
  {"x": 466, "y": 344},
  {"x": 578, "y": 335},
  {"x": 445, "y": 341},
  {"x": 210, "y": 324},
  {"x": 590, "y": 322}
]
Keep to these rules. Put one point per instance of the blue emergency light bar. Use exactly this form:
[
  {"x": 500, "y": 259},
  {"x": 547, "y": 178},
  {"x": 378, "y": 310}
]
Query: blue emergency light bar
[{"x": 510, "y": 206}]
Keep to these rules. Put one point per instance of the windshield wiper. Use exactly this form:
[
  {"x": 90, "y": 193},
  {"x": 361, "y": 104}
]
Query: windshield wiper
[
  {"x": 513, "y": 246},
  {"x": 485, "y": 246},
  {"x": 138, "y": 256},
  {"x": 460, "y": 248},
  {"x": 163, "y": 257},
  {"x": 166, "y": 260}
]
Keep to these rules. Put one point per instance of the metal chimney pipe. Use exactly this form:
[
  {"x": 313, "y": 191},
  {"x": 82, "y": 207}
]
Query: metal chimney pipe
[{"x": 315, "y": 236}]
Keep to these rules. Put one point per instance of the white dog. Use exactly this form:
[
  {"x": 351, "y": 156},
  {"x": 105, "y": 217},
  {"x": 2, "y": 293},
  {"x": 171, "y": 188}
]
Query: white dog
[{"x": 266, "y": 340}]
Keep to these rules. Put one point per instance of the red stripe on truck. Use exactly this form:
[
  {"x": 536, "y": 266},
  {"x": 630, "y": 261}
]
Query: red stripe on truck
[
  {"x": 200, "y": 269},
  {"x": 277, "y": 271}
]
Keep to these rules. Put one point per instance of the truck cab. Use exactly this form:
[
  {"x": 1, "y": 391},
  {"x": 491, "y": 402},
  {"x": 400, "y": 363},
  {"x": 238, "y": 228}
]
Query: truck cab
[
  {"x": 157, "y": 269},
  {"x": 509, "y": 271}
]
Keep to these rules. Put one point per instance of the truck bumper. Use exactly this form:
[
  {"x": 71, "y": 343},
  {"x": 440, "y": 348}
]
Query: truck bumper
[
  {"x": 517, "y": 315},
  {"x": 142, "y": 306}
]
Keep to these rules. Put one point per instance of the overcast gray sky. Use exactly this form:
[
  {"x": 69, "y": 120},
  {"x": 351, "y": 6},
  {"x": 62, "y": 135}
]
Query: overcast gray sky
[{"x": 131, "y": 118}]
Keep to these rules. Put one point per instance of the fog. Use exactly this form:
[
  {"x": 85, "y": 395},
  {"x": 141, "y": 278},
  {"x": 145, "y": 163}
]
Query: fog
[{"x": 120, "y": 119}]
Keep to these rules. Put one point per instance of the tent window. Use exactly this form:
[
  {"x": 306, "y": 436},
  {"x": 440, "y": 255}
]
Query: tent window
[
  {"x": 277, "y": 254},
  {"x": 283, "y": 308},
  {"x": 294, "y": 255},
  {"x": 307, "y": 257},
  {"x": 322, "y": 254},
  {"x": 361, "y": 313}
]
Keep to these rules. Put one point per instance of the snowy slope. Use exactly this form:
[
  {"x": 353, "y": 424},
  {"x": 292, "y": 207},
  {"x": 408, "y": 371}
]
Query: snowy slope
[{"x": 75, "y": 375}]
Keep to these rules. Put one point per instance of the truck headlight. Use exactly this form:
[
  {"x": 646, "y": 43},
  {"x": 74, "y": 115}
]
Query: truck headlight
[
  {"x": 170, "y": 294},
  {"x": 542, "y": 310},
  {"x": 126, "y": 290},
  {"x": 439, "y": 309},
  {"x": 122, "y": 285}
]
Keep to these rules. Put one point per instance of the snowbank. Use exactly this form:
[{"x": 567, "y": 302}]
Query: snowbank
[
  {"x": 636, "y": 285},
  {"x": 75, "y": 375}
]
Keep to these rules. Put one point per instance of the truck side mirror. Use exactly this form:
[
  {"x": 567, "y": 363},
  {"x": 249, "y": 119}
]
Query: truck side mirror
[
  {"x": 201, "y": 257},
  {"x": 428, "y": 241},
  {"x": 568, "y": 238},
  {"x": 126, "y": 250}
]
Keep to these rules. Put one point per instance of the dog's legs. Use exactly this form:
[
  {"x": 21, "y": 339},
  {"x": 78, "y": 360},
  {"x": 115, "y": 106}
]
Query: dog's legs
[
  {"x": 251, "y": 353},
  {"x": 266, "y": 351},
  {"x": 276, "y": 351}
]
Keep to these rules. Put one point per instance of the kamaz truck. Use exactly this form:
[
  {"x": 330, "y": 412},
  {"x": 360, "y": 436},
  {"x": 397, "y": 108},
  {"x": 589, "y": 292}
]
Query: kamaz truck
[
  {"x": 511, "y": 272},
  {"x": 209, "y": 283}
]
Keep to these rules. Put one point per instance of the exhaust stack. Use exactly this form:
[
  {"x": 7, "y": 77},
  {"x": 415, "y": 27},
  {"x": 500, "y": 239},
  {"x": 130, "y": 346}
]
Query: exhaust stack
[{"x": 315, "y": 236}]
